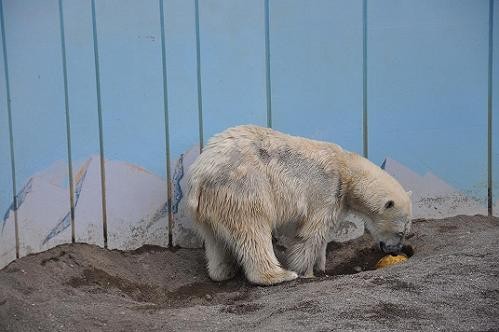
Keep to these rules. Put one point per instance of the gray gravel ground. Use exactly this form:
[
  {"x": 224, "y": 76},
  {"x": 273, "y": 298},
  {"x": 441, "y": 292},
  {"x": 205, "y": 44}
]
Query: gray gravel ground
[{"x": 450, "y": 284}]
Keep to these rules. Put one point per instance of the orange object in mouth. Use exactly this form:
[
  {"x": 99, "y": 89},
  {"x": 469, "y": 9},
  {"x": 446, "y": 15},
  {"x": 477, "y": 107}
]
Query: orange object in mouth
[{"x": 391, "y": 260}]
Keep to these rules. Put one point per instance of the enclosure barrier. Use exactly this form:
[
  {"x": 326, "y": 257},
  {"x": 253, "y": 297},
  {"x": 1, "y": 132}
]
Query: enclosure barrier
[{"x": 104, "y": 104}]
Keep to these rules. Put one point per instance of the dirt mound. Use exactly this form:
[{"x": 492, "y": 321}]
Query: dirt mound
[{"x": 450, "y": 283}]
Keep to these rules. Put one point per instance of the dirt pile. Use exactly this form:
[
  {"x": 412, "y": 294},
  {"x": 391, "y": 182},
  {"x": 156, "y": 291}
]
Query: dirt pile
[{"x": 451, "y": 283}]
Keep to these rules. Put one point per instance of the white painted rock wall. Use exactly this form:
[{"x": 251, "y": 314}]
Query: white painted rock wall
[
  {"x": 183, "y": 233},
  {"x": 136, "y": 209},
  {"x": 88, "y": 202},
  {"x": 42, "y": 206},
  {"x": 136, "y": 202},
  {"x": 7, "y": 239}
]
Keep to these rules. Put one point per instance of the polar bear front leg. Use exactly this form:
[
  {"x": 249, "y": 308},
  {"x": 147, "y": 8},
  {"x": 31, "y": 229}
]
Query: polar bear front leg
[{"x": 320, "y": 263}]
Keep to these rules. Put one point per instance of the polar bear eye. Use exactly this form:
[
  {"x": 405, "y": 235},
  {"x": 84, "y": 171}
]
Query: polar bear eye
[{"x": 389, "y": 204}]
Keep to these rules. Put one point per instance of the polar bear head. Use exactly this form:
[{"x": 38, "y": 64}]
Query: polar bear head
[
  {"x": 389, "y": 223},
  {"x": 384, "y": 205}
]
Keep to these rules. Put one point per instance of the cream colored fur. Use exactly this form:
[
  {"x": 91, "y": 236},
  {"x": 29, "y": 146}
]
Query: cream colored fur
[{"x": 249, "y": 181}]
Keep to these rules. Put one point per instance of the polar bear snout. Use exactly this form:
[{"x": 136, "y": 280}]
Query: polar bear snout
[
  {"x": 390, "y": 248},
  {"x": 392, "y": 243}
]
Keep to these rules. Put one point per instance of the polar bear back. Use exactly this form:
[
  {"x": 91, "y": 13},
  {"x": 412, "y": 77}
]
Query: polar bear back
[{"x": 249, "y": 170}]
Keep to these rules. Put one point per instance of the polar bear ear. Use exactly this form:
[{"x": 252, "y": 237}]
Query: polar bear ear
[
  {"x": 389, "y": 204},
  {"x": 409, "y": 193}
]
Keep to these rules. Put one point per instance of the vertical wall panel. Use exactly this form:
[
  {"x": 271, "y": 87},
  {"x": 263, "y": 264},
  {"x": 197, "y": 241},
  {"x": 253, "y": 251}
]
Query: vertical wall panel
[
  {"x": 232, "y": 64},
  {"x": 316, "y": 69},
  {"x": 427, "y": 100},
  {"x": 39, "y": 126},
  {"x": 133, "y": 122},
  {"x": 183, "y": 109},
  {"x": 316, "y": 75},
  {"x": 495, "y": 113},
  {"x": 7, "y": 226},
  {"x": 84, "y": 121}
]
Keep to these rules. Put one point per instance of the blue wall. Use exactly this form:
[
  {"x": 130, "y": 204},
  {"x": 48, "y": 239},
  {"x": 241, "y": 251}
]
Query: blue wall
[
  {"x": 316, "y": 70},
  {"x": 495, "y": 109},
  {"x": 427, "y": 86},
  {"x": 426, "y": 79}
]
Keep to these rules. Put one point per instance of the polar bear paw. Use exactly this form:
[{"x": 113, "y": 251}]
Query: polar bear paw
[
  {"x": 222, "y": 271},
  {"x": 272, "y": 278}
]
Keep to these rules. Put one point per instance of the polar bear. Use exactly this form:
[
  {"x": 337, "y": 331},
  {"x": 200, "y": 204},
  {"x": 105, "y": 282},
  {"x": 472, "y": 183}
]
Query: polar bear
[{"x": 249, "y": 181}]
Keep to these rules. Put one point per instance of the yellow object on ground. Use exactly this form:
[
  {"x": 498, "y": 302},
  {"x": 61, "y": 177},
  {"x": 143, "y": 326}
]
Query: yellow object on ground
[{"x": 390, "y": 260}]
